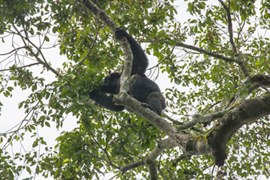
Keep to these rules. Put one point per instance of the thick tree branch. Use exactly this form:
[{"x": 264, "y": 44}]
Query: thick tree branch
[
  {"x": 240, "y": 112},
  {"x": 127, "y": 65},
  {"x": 156, "y": 120},
  {"x": 99, "y": 13},
  {"x": 249, "y": 85},
  {"x": 247, "y": 112},
  {"x": 124, "y": 43},
  {"x": 243, "y": 66},
  {"x": 175, "y": 139},
  {"x": 256, "y": 81},
  {"x": 252, "y": 83}
]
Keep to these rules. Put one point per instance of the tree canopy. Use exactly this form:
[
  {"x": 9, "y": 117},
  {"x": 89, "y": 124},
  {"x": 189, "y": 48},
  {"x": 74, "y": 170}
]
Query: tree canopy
[{"x": 215, "y": 53}]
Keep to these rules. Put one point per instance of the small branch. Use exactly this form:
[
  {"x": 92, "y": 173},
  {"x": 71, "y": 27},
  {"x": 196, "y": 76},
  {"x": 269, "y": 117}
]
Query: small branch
[
  {"x": 162, "y": 59},
  {"x": 36, "y": 55},
  {"x": 87, "y": 125},
  {"x": 230, "y": 27},
  {"x": 176, "y": 122},
  {"x": 230, "y": 30},
  {"x": 131, "y": 166},
  {"x": 21, "y": 67},
  {"x": 211, "y": 106},
  {"x": 180, "y": 158},
  {"x": 203, "y": 119},
  {"x": 21, "y": 125},
  {"x": 13, "y": 50},
  {"x": 215, "y": 55},
  {"x": 242, "y": 25},
  {"x": 90, "y": 49},
  {"x": 203, "y": 51},
  {"x": 218, "y": 56}
]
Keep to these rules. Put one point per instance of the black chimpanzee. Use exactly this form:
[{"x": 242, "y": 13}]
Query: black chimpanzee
[{"x": 143, "y": 89}]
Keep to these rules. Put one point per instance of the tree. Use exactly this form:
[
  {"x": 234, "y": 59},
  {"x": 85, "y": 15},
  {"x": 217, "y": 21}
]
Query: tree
[{"x": 218, "y": 111}]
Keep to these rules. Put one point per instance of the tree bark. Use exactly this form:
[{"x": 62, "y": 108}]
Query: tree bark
[{"x": 247, "y": 112}]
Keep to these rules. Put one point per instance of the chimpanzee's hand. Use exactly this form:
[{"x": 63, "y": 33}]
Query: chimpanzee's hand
[{"x": 120, "y": 33}]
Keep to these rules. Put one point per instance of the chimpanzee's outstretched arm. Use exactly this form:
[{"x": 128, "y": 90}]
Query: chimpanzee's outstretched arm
[
  {"x": 140, "y": 61},
  {"x": 105, "y": 100}
]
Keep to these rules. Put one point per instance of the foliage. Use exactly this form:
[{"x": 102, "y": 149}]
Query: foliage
[{"x": 105, "y": 141}]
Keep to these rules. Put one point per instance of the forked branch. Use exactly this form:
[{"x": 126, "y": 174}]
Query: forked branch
[{"x": 237, "y": 54}]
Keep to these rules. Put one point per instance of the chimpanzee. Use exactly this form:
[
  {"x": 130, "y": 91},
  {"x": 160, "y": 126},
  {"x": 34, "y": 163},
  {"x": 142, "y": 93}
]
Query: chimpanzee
[{"x": 143, "y": 89}]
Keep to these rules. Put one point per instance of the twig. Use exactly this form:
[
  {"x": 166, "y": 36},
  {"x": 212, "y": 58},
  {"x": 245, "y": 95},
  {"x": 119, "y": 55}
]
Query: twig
[
  {"x": 87, "y": 125},
  {"x": 180, "y": 158},
  {"x": 230, "y": 29},
  {"x": 162, "y": 59},
  {"x": 85, "y": 57},
  {"x": 13, "y": 50},
  {"x": 19, "y": 126},
  {"x": 36, "y": 55},
  {"x": 21, "y": 67}
]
